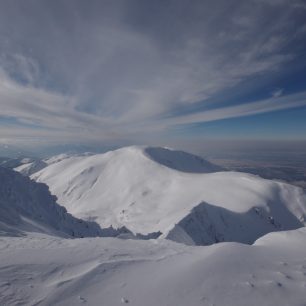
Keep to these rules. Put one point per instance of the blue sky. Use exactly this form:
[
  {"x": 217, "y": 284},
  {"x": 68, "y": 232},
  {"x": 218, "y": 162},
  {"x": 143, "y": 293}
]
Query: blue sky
[
  {"x": 155, "y": 72},
  {"x": 279, "y": 125}
]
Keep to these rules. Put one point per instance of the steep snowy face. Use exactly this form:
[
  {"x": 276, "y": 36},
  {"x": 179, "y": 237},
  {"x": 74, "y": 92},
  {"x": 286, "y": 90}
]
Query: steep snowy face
[
  {"x": 27, "y": 206},
  {"x": 208, "y": 224},
  {"x": 181, "y": 161},
  {"x": 159, "y": 190}
]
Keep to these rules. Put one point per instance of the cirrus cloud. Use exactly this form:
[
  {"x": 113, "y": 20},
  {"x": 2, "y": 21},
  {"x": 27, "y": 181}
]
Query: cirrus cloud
[{"x": 73, "y": 71}]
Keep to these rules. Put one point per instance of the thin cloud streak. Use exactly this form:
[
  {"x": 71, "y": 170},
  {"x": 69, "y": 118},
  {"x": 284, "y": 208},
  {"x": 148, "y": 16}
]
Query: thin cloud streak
[
  {"x": 242, "y": 110},
  {"x": 46, "y": 115}
]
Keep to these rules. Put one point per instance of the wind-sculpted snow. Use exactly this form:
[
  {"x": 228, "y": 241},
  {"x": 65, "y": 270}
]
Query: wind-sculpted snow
[
  {"x": 41, "y": 270},
  {"x": 128, "y": 188}
]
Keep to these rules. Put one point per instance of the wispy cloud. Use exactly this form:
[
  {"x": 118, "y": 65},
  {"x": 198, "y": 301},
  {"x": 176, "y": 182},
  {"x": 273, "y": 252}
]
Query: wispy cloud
[
  {"x": 108, "y": 70},
  {"x": 277, "y": 92},
  {"x": 242, "y": 110},
  {"x": 45, "y": 116}
]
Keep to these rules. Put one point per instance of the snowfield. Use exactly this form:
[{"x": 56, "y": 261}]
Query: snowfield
[
  {"x": 158, "y": 190},
  {"x": 43, "y": 270}
]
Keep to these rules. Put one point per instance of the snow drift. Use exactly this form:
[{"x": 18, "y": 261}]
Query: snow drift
[
  {"x": 42, "y": 270},
  {"x": 152, "y": 190}
]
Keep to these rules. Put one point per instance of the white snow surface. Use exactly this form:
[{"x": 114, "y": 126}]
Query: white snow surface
[
  {"x": 29, "y": 166},
  {"x": 151, "y": 190},
  {"x": 44, "y": 270}
]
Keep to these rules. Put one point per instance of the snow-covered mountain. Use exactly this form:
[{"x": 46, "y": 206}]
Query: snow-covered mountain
[
  {"x": 15, "y": 162},
  {"x": 27, "y": 206},
  {"x": 152, "y": 190},
  {"x": 160, "y": 193}
]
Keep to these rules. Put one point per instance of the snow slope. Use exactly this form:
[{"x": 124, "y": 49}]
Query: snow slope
[
  {"x": 41, "y": 270},
  {"x": 30, "y": 168},
  {"x": 57, "y": 158},
  {"x": 27, "y": 206},
  {"x": 151, "y": 190}
]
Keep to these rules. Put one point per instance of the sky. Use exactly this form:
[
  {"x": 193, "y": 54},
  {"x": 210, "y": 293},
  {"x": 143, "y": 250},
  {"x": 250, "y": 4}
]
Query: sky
[{"x": 164, "y": 72}]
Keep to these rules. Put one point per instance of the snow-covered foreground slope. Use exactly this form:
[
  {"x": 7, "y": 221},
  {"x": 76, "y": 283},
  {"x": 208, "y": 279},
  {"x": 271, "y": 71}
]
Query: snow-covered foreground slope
[
  {"x": 41, "y": 270},
  {"x": 27, "y": 206},
  {"x": 151, "y": 190}
]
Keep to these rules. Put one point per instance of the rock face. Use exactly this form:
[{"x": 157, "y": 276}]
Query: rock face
[{"x": 158, "y": 190}]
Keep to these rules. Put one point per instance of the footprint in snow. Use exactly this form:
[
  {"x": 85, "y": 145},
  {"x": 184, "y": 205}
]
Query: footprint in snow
[
  {"x": 124, "y": 300},
  {"x": 83, "y": 300}
]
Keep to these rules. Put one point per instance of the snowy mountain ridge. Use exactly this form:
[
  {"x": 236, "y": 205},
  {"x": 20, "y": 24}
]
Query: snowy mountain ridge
[{"x": 151, "y": 190}]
